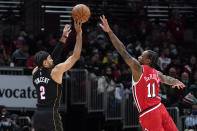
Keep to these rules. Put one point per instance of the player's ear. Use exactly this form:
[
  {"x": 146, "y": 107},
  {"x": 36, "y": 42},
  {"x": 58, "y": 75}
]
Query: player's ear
[{"x": 44, "y": 63}]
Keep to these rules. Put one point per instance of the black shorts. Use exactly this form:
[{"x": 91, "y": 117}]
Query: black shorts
[{"x": 47, "y": 120}]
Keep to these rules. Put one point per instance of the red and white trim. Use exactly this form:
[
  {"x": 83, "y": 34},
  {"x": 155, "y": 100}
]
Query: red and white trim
[
  {"x": 134, "y": 91},
  {"x": 135, "y": 98},
  {"x": 150, "y": 110}
]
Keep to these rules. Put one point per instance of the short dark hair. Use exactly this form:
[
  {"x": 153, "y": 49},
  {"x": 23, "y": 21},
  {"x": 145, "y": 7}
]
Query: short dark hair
[
  {"x": 39, "y": 57},
  {"x": 153, "y": 56}
]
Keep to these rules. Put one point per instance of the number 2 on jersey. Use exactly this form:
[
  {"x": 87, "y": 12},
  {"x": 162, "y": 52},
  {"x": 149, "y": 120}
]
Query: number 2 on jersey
[
  {"x": 149, "y": 90},
  {"x": 42, "y": 93}
]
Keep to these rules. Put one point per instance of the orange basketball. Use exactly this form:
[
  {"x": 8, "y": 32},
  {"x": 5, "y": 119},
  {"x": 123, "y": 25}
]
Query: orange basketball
[{"x": 81, "y": 12}]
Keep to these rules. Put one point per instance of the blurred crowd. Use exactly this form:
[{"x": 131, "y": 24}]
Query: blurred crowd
[
  {"x": 174, "y": 41},
  {"x": 13, "y": 122}
]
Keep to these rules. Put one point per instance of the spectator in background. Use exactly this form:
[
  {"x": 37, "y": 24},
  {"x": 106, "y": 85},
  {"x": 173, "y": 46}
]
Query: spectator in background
[
  {"x": 19, "y": 42},
  {"x": 120, "y": 33},
  {"x": 164, "y": 59},
  {"x": 14, "y": 119},
  {"x": 4, "y": 58},
  {"x": 141, "y": 26},
  {"x": 8, "y": 45},
  {"x": 110, "y": 58},
  {"x": 172, "y": 98},
  {"x": 106, "y": 82},
  {"x": 125, "y": 77},
  {"x": 6, "y": 123},
  {"x": 169, "y": 37},
  {"x": 20, "y": 56},
  {"x": 192, "y": 65},
  {"x": 194, "y": 80},
  {"x": 3, "y": 110},
  {"x": 40, "y": 45},
  {"x": 193, "y": 84},
  {"x": 30, "y": 63},
  {"x": 176, "y": 25},
  {"x": 185, "y": 79},
  {"x": 94, "y": 64},
  {"x": 95, "y": 36},
  {"x": 193, "y": 88},
  {"x": 190, "y": 99},
  {"x": 173, "y": 51},
  {"x": 177, "y": 64}
]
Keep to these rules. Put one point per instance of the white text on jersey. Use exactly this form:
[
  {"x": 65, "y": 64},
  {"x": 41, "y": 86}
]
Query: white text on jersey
[
  {"x": 151, "y": 76},
  {"x": 41, "y": 79}
]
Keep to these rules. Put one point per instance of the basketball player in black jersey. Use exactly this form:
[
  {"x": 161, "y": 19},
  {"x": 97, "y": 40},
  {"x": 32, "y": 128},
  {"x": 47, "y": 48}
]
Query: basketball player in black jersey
[{"x": 47, "y": 79}]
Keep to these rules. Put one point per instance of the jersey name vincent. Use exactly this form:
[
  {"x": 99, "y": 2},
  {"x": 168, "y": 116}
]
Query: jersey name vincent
[{"x": 41, "y": 80}]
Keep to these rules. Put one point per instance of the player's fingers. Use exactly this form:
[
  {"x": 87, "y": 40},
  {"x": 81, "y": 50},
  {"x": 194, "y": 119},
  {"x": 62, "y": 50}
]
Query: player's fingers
[
  {"x": 69, "y": 31},
  {"x": 105, "y": 20},
  {"x": 68, "y": 27},
  {"x": 104, "y": 17},
  {"x": 65, "y": 26},
  {"x": 101, "y": 19},
  {"x": 101, "y": 26},
  {"x": 182, "y": 86}
]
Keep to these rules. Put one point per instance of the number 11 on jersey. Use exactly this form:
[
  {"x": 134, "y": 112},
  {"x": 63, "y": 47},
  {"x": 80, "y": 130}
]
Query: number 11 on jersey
[{"x": 149, "y": 90}]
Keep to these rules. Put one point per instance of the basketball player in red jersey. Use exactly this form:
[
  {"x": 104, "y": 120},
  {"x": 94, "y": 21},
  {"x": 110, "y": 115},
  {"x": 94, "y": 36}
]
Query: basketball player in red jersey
[{"x": 153, "y": 116}]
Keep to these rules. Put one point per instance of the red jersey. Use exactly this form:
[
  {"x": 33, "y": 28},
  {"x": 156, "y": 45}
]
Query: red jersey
[{"x": 146, "y": 90}]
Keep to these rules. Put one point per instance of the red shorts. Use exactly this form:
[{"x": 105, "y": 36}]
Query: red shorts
[{"x": 157, "y": 119}]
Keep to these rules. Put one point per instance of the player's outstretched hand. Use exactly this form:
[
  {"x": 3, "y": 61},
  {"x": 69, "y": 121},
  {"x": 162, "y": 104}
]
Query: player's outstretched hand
[
  {"x": 66, "y": 30},
  {"x": 104, "y": 25},
  {"x": 179, "y": 85},
  {"x": 78, "y": 26}
]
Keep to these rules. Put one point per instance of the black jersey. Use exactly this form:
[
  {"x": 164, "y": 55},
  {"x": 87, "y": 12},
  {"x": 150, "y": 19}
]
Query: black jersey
[{"x": 48, "y": 91}]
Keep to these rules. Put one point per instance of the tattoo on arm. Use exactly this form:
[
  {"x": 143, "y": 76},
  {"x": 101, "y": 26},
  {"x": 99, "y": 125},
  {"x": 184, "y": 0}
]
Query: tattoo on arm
[
  {"x": 131, "y": 61},
  {"x": 168, "y": 79}
]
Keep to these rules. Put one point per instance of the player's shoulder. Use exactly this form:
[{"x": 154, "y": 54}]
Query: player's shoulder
[
  {"x": 146, "y": 67},
  {"x": 34, "y": 70}
]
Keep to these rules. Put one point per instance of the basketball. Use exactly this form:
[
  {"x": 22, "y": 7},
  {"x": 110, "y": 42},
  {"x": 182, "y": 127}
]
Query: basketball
[{"x": 81, "y": 12}]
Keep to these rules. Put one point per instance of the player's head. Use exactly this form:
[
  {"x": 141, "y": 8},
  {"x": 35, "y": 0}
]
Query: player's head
[
  {"x": 43, "y": 59},
  {"x": 149, "y": 58}
]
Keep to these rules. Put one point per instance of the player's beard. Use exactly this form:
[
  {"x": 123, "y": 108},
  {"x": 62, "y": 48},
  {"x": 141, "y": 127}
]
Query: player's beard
[{"x": 51, "y": 65}]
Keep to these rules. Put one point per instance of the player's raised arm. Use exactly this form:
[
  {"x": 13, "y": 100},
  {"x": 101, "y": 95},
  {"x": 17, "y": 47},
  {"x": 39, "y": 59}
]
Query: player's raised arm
[
  {"x": 62, "y": 67},
  {"x": 171, "y": 81},
  {"x": 55, "y": 55},
  {"x": 131, "y": 61}
]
